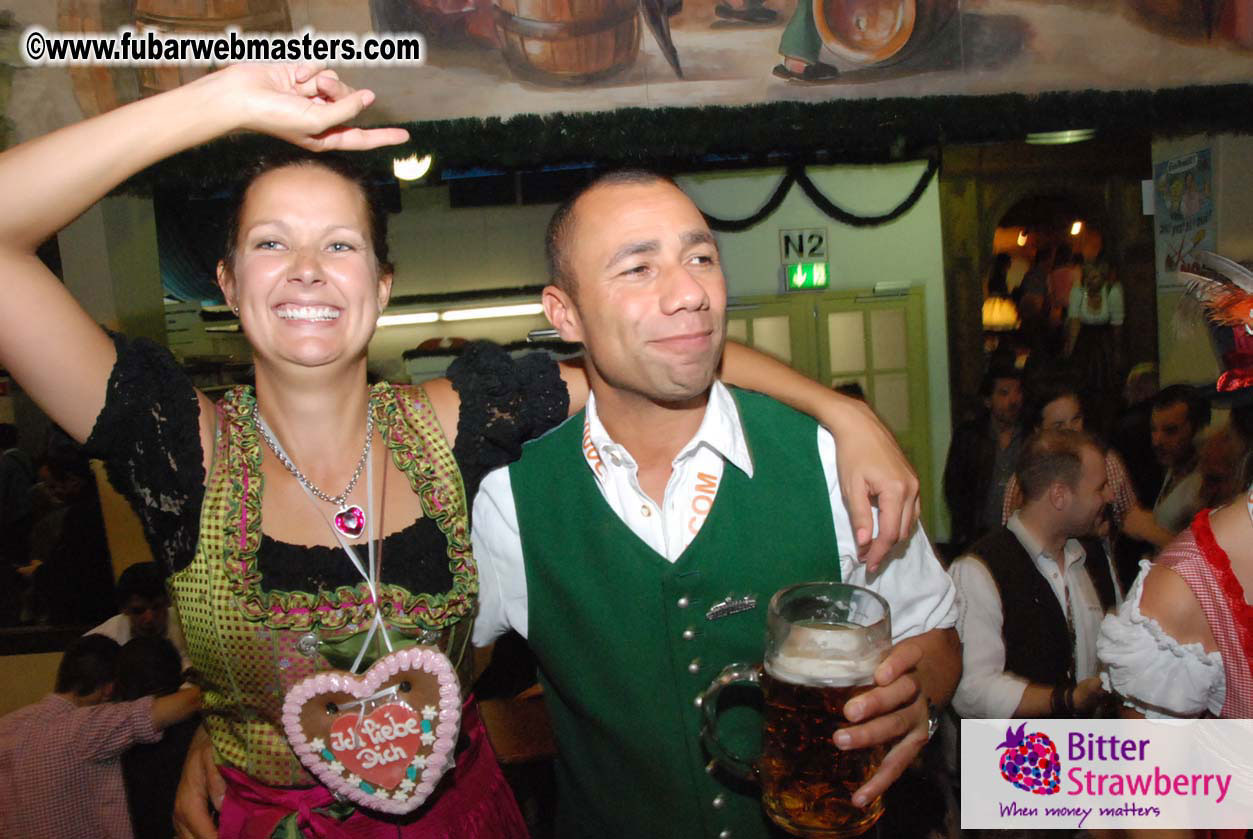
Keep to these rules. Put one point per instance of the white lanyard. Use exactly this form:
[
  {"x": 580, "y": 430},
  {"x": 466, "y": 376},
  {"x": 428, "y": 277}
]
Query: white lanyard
[{"x": 367, "y": 572}]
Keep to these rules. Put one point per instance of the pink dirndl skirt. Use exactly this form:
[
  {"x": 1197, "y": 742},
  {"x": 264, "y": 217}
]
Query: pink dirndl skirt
[{"x": 477, "y": 804}]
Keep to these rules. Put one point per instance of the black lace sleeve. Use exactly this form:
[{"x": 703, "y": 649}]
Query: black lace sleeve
[
  {"x": 504, "y": 403},
  {"x": 148, "y": 435}
]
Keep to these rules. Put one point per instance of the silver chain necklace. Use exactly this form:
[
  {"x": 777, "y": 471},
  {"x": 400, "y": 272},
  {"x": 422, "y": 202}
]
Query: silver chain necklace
[{"x": 350, "y": 518}]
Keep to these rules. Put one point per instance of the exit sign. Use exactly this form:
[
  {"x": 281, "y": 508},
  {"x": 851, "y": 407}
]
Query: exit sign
[{"x": 804, "y": 276}]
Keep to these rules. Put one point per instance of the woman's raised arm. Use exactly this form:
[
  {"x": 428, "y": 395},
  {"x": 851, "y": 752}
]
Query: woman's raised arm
[{"x": 47, "y": 342}]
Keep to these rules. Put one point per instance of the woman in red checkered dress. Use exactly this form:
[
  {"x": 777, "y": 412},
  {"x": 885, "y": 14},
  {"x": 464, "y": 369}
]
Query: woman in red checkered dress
[{"x": 1182, "y": 644}]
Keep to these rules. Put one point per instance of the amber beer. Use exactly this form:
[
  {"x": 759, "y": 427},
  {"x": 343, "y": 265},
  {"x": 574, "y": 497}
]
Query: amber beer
[
  {"x": 823, "y": 643},
  {"x": 807, "y": 784}
]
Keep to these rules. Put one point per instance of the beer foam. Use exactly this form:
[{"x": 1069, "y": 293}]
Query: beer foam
[
  {"x": 815, "y": 671},
  {"x": 828, "y": 656}
]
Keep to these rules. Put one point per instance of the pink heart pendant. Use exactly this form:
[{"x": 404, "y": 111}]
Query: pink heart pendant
[
  {"x": 382, "y": 740},
  {"x": 350, "y": 521}
]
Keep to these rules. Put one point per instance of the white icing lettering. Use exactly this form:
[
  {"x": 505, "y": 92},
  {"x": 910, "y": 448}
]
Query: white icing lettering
[{"x": 375, "y": 757}]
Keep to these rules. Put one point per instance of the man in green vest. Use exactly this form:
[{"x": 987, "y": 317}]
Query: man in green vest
[{"x": 636, "y": 546}]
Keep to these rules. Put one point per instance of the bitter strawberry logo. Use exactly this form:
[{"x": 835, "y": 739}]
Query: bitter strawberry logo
[{"x": 1030, "y": 761}]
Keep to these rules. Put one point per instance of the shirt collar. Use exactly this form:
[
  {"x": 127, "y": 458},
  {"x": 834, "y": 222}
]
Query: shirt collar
[
  {"x": 1072, "y": 550},
  {"x": 721, "y": 431}
]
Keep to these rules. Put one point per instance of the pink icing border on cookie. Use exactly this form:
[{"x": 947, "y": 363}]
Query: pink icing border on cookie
[{"x": 425, "y": 659}]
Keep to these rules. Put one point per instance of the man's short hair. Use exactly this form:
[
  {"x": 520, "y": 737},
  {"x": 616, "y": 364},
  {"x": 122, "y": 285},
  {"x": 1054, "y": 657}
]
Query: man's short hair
[
  {"x": 1052, "y": 455},
  {"x": 557, "y": 237},
  {"x": 147, "y": 666},
  {"x": 996, "y": 372},
  {"x": 1198, "y": 405},
  {"x": 89, "y": 664},
  {"x": 143, "y": 579}
]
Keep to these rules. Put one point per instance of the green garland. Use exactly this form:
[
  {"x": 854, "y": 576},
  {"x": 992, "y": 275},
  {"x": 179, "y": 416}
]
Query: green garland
[{"x": 772, "y": 134}]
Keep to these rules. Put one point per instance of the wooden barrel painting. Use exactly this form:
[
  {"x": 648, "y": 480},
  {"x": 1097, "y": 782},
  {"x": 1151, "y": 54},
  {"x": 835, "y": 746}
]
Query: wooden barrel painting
[
  {"x": 867, "y": 33},
  {"x": 1229, "y": 21},
  {"x": 99, "y": 89},
  {"x": 202, "y": 16},
  {"x": 568, "y": 42},
  {"x": 1236, "y": 24},
  {"x": 1185, "y": 18}
]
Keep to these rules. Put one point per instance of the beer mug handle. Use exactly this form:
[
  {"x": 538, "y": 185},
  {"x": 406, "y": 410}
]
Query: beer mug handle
[{"x": 731, "y": 674}]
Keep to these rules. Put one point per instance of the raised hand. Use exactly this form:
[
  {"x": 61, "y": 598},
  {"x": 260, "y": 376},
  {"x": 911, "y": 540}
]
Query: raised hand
[{"x": 304, "y": 104}]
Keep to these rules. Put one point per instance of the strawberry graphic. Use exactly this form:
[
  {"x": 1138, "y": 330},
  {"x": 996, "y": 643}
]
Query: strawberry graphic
[{"x": 1030, "y": 761}]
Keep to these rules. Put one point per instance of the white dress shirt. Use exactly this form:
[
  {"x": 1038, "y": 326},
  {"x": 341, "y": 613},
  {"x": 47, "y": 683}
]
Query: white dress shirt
[
  {"x": 986, "y": 690},
  {"x": 911, "y": 579}
]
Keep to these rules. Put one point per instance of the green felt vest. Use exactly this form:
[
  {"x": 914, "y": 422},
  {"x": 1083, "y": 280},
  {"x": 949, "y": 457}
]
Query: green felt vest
[{"x": 621, "y": 634}]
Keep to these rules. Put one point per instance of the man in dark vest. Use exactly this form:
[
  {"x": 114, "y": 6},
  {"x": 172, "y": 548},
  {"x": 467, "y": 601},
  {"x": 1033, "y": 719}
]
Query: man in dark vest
[
  {"x": 637, "y": 545},
  {"x": 1034, "y": 592}
]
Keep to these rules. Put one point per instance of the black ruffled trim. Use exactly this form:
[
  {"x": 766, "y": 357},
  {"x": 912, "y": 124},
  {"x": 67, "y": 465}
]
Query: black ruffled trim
[
  {"x": 148, "y": 435},
  {"x": 414, "y": 558},
  {"x": 504, "y": 402}
]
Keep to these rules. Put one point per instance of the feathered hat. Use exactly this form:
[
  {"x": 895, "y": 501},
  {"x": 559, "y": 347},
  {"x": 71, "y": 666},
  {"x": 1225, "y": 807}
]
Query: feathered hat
[{"x": 1222, "y": 290}]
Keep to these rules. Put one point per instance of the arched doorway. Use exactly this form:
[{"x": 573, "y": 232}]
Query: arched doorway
[
  {"x": 988, "y": 188},
  {"x": 1037, "y": 254}
]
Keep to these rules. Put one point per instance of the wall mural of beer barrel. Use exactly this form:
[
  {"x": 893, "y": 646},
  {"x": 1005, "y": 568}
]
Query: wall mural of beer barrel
[
  {"x": 568, "y": 41},
  {"x": 503, "y": 58},
  {"x": 99, "y": 89},
  {"x": 202, "y": 16},
  {"x": 866, "y": 33}
]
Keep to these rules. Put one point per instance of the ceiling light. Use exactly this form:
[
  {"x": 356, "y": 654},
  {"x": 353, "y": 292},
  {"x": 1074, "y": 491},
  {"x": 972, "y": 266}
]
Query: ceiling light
[
  {"x": 1076, "y": 228},
  {"x": 411, "y": 168},
  {"x": 1060, "y": 138},
  {"x": 493, "y": 312},
  {"x": 1022, "y": 238},
  {"x": 408, "y": 319}
]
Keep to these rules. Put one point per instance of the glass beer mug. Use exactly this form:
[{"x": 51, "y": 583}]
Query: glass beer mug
[{"x": 823, "y": 643}]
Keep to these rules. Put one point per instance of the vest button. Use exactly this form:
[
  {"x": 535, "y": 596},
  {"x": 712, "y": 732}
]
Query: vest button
[
  {"x": 697, "y": 702},
  {"x": 307, "y": 644},
  {"x": 719, "y": 801},
  {"x": 689, "y": 634},
  {"x": 645, "y": 512},
  {"x": 693, "y": 666},
  {"x": 726, "y": 834},
  {"x": 683, "y": 602}
]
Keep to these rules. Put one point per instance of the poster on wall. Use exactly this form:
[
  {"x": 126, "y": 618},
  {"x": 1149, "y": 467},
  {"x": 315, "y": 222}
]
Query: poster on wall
[{"x": 1183, "y": 212}]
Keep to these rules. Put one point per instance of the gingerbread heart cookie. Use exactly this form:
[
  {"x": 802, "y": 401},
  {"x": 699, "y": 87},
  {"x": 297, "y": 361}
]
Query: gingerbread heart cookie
[{"x": 384, "y": 739}]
